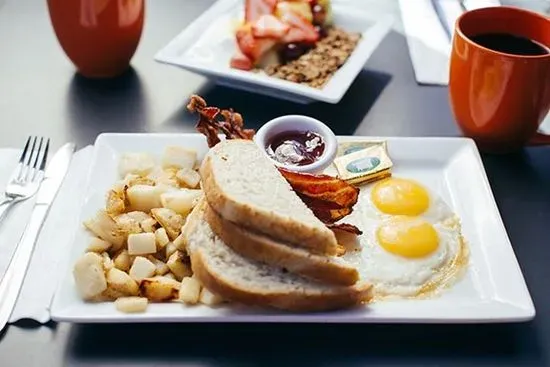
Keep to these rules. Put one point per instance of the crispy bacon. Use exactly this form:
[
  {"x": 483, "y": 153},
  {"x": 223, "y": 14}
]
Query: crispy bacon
[
  {"x": 212, "y": 120},
  {"x": 345, "y": 227},
  {"x": 323, "y": 188}
]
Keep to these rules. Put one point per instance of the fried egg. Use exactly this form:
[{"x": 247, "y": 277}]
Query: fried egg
[
  {"x": 402, "y": 196},
  {"x": 411, "y": 244}
]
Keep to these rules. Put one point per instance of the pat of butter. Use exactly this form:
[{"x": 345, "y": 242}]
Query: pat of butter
[{"x": 363, "y": 161}]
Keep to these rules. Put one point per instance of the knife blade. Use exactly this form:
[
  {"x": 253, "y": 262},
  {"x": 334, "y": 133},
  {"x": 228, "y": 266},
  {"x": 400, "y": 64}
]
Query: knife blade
[{"x": 11, "y": 283}]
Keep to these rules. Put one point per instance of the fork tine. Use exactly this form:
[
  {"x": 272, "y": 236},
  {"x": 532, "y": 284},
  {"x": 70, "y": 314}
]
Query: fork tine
[
  {"x": 26, "y": 159},
  {"x": 45, "y": 156},
  {"x": 35, "y": 163},
  {"x": 28, "y": 165},
  {"x": 25, "y": 150}
]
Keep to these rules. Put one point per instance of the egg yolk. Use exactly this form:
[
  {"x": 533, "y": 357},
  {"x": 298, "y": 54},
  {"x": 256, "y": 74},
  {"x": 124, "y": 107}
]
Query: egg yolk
[
  {"x": 408, "y": 237},
  {"x": 398, "y": 196}
]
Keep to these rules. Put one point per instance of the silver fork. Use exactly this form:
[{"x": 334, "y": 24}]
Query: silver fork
[{"x": 28, "y": 174}]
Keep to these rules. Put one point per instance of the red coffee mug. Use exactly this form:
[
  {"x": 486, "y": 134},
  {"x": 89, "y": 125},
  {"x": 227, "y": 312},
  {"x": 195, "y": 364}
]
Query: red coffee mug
[
  {"x": 500, "y": 99},
  {"x": 99, "y": 36}
]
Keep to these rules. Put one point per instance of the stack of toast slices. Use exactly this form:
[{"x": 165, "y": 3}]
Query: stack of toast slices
[{"x": 253, "y": 241}]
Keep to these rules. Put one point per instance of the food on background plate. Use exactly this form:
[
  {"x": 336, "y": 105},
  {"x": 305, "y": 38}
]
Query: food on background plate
[{"x": 292, "y": 40}]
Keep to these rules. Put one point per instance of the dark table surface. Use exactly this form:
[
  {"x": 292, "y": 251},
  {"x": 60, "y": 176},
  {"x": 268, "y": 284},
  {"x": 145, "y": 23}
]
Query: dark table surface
[{"x": 40, "y": 94}]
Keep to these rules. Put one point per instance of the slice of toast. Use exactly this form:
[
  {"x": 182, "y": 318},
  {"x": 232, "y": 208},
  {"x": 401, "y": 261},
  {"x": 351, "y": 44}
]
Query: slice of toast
[
  {"x": 236, "y": 278},
  {"x": 327, "y": 269},
  {"x": 244, "y": 187}
]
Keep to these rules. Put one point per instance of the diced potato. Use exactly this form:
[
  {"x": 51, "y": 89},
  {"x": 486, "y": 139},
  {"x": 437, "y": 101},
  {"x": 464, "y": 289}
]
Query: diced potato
[
  {"x": 149, "y": 225},
  {"x": 131, "y": 304},
  {"x": 127, "y": 225},
  {"x": 165, "y": 178},
  {"x": 108, "y": 294},
  {"x": 169, "y": 250},
  {"x": 142, "y": 244},
  {"x": 178, "y": 157},
  {"x": 116, "y": 201},
  {"x": 159, "y": 289},
  {"x": 132, "y": 180},
  {"x": 108, "y": 263},
  {"x": 208, "y": 298},
  {"x": 143, "y": 197},
  {"x": 123, "y": 260},
  {"x": 137, "y": 163},
  {"x": 162, "y": 238},
  {"x": 169, "y": 220},
  {"x": 180, "y": 265},
  {"x": 160, "y": 267},
  {"x": 89, "y": 275},
  {"x": 138, "y": 216},
  {"x": 181, "y": 201},
  {"x": 98, "y": 245},
  {"x": 188, "y": 177},
  {"x": 180, "y": 242},
  {"x": 120, "y": 281},
  {"x": 104, "y": 227},
  {"x": 142, "y": 268},
  {"x": 190, "y": 291}
]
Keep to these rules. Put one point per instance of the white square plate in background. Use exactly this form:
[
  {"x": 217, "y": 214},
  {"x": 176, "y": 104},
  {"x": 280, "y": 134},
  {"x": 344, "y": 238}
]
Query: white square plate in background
[
  {"x": 493, "y": 289},
  {"x": 207, "y": 45}
]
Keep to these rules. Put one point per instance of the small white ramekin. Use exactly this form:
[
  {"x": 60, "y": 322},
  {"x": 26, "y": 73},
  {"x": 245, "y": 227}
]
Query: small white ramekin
[{"x": 299, "y": 123}]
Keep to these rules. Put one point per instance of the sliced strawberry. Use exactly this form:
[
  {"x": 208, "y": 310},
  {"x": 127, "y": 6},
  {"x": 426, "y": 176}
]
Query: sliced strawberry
[
  {"x": 269, "y": 26},
  {"x": 241, "y": 61},
  {"x": 251, "y": 46},
  {"x": 254, "y": 9},
  {"x": 300, "y": 29}
]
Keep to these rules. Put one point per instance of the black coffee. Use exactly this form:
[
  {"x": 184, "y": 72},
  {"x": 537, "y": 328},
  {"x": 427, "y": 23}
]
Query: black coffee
[{"x": 510, "y": 44}]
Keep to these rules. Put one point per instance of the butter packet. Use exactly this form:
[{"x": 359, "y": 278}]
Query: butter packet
[{"x": 363, "y": 162}]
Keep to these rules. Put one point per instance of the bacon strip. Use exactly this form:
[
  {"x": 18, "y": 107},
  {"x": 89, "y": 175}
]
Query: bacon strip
[
  {"x": 212, "y": 120},
  {"x": 330, "y": 198},
  {"x": 345, "y": 227}
]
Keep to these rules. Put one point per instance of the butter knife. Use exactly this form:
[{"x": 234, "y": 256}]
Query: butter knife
[{"x": 11, "y": 283}]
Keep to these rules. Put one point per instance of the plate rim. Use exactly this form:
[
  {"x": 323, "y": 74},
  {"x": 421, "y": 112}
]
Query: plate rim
[{"x": 511, "y": 312}]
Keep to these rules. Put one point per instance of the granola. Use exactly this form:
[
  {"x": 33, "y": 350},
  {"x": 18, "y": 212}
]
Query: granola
[{"x": 318, "y": 65}]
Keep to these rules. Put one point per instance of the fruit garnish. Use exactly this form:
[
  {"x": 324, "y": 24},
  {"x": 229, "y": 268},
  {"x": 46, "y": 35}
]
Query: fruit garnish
[
  {"x": 300, "y": 29},
  {"x": 269, "y": 26},
  {"x": 241, "y": 61},
  {"x": 302, "y": 8},
  {"x": 254, "y": 9},
  {"x": 251, "y": 46}
]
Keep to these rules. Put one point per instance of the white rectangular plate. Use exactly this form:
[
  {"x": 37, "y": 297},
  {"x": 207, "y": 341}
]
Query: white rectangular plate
[
  {"x": 493, "y": 289},
  {"x": 207, "y": 44}
]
